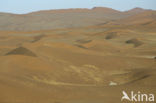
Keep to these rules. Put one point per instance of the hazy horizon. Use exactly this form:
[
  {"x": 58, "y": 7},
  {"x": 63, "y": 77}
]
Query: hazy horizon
[
  {"x": 73, "y": 8},
  {"x": 27, "y": 6}
]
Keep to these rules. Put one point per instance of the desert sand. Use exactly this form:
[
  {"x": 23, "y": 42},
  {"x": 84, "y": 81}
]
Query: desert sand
[{"x": 77, "y": 55}]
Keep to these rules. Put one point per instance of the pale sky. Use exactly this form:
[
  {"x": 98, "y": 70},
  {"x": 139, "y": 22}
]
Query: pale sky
[{"x": 25, "y": 6}]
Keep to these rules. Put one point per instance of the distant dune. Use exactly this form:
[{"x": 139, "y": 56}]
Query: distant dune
[{"x": 69, "y": 18}]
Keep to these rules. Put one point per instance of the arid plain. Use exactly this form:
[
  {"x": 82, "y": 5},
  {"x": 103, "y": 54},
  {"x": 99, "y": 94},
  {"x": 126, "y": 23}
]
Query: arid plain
[{"x": 77, "y": 55}]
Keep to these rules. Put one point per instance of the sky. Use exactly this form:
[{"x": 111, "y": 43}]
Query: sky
[{"x": 26, "y": 6}]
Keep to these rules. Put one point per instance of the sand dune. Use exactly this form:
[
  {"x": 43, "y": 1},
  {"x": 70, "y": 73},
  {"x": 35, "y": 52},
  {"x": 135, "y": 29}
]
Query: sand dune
[
  {"x": 70, "y": 18},
  {"x": 21, "y": 51},
  {"x": 92, "y": 63}
]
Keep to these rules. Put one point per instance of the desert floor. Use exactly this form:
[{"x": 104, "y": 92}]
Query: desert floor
[{"x": 91, "y": 64}]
